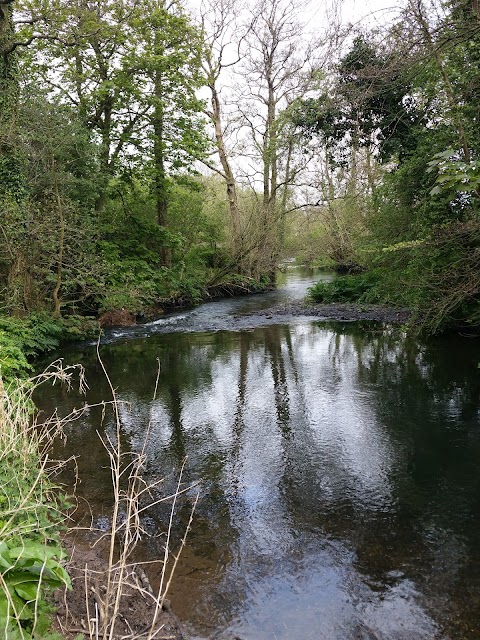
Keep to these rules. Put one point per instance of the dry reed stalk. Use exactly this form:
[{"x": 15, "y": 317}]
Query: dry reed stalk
[
  {"x": 28, "y": 440},
  {"x": 123, "y": 577}
]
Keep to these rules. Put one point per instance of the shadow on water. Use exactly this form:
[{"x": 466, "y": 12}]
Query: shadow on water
[{"x": 339, "y": 463}]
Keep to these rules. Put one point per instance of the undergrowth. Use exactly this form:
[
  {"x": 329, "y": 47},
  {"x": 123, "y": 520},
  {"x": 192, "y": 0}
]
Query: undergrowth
[
  {"x": 31, "y": 512},
  {"x": 350, "y": 288},
  {"x": 22, "y": 339}
]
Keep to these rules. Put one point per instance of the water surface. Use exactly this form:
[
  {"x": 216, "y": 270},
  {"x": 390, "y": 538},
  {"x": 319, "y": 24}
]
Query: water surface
[{"x": 339, "y": 467}]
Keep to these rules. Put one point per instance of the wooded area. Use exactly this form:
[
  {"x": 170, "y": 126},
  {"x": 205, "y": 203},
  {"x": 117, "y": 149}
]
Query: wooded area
[
  {"x": 149, "y": 154},
  {"x": 153, "y": 155}
]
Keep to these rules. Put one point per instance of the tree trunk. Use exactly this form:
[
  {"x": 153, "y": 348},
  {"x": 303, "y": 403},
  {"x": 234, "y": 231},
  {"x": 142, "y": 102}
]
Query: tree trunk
[
  {"x": 105, "y": 122},
  {"x": 160, "y": 179},
  {"x": 18, "y": 285},
  {"x": 9, "y": 88},
  {"x": 61, "y": 242},
  {"x": 232, "y": 198},
  {"x": 369, "y": 167},
  {"x": 283, "y": 206},
  {"x": 9, "y": 95},
  {"x": 270, "y": 179},
  {"x": 105, "y": 148}
]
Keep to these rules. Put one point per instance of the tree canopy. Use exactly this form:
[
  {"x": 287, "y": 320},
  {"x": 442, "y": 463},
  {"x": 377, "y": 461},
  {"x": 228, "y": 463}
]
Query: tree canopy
[{"x": 147, "y": 154}]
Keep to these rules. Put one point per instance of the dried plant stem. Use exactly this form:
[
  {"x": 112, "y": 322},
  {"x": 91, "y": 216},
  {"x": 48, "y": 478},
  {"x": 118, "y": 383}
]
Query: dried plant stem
[{"x": 124, "y": 576}]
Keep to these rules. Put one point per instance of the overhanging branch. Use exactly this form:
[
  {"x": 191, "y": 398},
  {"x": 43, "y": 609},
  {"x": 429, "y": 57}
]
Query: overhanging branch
[{"x": 39, "y": 36}]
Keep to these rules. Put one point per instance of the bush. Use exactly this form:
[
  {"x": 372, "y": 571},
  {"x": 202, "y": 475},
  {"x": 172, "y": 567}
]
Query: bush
[
  {"x": 23, "y": 338},
  {"x": 352, "y": 288},
  {"x": 437, "y": 277}
]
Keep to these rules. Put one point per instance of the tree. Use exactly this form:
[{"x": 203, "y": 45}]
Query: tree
[
  {"x": 11, "y": 180},
  {"x": 8, "y": 70},
  {"x": 168, "y": 73},
  {"x": 133, "y": 77},
  {"x": 47, "y": 239},
  {"x": 276, "y": 71},
  {"x": 219, "y": 21},
  {"x": 417, "y": 12},
  {"x": 424, "y": 229}
]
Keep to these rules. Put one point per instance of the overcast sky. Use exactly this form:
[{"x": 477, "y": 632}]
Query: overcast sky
[{"x": 369, "y": 12}]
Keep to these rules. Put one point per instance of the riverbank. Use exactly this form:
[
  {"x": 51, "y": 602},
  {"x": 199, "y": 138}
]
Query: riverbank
[
  {"x": 347, "y": 312},
  {"x": 31, "y": 511},
  {"x": 126, "y": 318},
  {"x": 86, "y": 576},
  {"x": 79, "y": 610}
]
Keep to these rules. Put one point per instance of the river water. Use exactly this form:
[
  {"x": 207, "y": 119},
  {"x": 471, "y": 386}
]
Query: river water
[{"x": 339, "y": 469}]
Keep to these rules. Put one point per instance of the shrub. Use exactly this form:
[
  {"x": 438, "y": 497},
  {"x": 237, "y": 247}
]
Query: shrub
[
  {"x": 21, "y": 339},
  {"x": 351, "y": 288}
]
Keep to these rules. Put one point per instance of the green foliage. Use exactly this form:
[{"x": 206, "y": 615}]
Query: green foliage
[
  {"x": 81, "y": 229},
  {"x": 136, "y": 280},
  {"x": 79, "y": 327},
  {"x": 53, "y": 220},
  {"x": 12, "y": 361},
  {"x": 437, "y": 278},
  {"x": 12, "y": 178},
  {"x": 30, "y": 520},
  {"x": 412, "y": 100},
  {"x": 21, "y": 339},
  {"x": 132, "y": 244},
  {"x": 369, "y": 105},
  {"x": 28, "y": 571},
  {"x": 35, "y": 334},
  {"x": 454, "y": 175},
  {"x": 352, "y": 288},
  {"x": 191, "y": 216},
  {"x": 134, "y": 275}
]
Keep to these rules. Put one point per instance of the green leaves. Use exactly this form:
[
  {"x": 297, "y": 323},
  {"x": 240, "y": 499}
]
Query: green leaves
[
  {"x": 454, "y": 175},
  {"x": 350, "y": 288},
  {"x": 31, "y": 556},
  {"x": 21, "y": 339}
]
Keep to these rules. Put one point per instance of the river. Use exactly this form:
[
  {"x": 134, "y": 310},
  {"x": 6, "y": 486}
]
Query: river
[{"x": 339, "y": 468}]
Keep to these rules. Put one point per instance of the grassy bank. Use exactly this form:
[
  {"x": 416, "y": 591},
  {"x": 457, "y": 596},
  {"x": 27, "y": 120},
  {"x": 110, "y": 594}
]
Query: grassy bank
[
  {"x": 350, "y": 288},
  {"x": 431, "y": 313},
  {"x": 31, "y": 506}
]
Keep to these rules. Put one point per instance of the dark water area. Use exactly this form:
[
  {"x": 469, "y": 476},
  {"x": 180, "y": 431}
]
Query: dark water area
[{"x": 339, "y": 470}]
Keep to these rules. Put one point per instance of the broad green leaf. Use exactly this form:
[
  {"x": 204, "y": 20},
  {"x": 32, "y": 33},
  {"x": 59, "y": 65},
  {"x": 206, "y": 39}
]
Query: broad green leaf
[
  {"x": 37, "y": 551},
  {"x": 444, "y": 177},
  {"x": 5, "y": 557},
  {"x": 22, "y": 611},
  {"x": 62, "y": 575},
  {"x": 28, "y": 590},
  {"x": 20, "y": 577}
]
